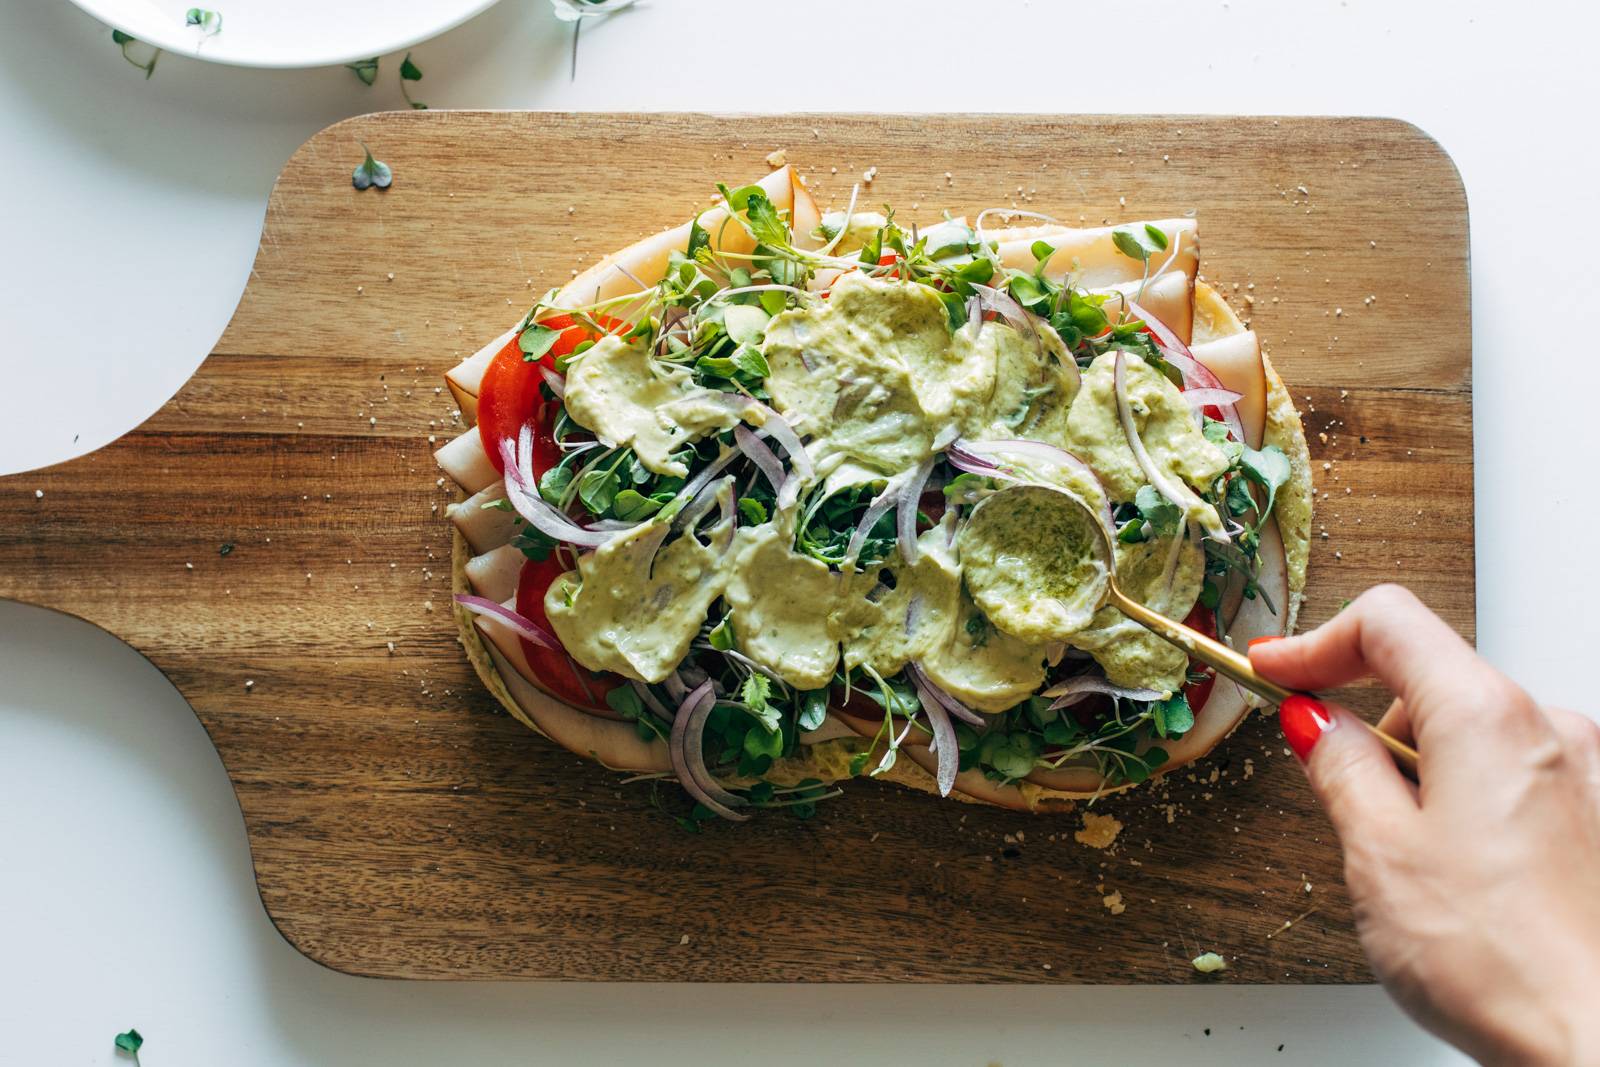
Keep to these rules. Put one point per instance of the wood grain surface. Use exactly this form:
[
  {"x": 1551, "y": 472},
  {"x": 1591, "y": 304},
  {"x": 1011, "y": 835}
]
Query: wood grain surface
[{"x": 274, "y": 541}]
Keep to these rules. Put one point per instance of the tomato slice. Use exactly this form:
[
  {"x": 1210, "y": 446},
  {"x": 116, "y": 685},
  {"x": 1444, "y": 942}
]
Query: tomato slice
[
  {"x": 509, "y": 397},
  {"x": 1203, "y": 619},
  {"x": 558, "y": 672}
]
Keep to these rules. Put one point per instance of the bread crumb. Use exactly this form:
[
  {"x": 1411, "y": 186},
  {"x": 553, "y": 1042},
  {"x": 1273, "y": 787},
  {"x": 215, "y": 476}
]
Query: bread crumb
[
  {"x": 1113, "y": 903},
  {"x": 684, "y": 940},
  {"x": 777, "y": 158},
  {"x": 38, "y": 494},
  {"x": 1099, "y": 831},
  {"x": 1209, "y": 963}
]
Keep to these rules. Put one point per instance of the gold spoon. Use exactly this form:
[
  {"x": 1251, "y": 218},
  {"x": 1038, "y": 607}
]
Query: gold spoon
[{"x": 1213, "y": 653}]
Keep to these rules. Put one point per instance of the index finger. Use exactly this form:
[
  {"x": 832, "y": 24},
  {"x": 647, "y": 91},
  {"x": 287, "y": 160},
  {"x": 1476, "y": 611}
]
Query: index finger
[{"x": 1389, "y": 634}]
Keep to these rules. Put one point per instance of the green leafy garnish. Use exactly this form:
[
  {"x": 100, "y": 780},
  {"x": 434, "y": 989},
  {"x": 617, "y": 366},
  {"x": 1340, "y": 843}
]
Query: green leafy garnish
[
  {"x": 752, "y": 511},
  {"x": 813, "y": 709},
  {"x": 371, "y": 173},
  {"x": 366, "y": 70},
  {"x": 1172, "y": 717},
  {"x": 1139, "y": 243},
  {"x": 721, "y": 635},
  {"x": 123, "y": 40},
  {"x": 210, "y": 22},
  {"x": 129, "y": 1041},
  {"x": 537, "y": 340},
  {"x": 1268, "y": 468},
  {"x": 1162, "y": 514},
  {"x": 410, "y": 72}
]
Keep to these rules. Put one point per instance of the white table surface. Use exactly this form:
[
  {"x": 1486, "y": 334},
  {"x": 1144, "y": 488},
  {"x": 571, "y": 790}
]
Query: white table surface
[{"x": 130, "y": 216}]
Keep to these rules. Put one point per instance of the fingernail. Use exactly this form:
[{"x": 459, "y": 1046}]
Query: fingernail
[
  {"x": 1304, "y": 721},
  {"x": 1264, "y": 638}
]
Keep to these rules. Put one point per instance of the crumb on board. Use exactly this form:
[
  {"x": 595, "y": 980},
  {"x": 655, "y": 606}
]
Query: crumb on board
[
  {"x": 777, "y": 158},
  {"x": 1209, "y": 963},
  {"x": 1098, "y": 831},
  {"x": 1113, "y": 902}
]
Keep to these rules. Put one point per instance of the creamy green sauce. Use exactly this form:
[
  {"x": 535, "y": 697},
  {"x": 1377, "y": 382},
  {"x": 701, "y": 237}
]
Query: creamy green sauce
[
  {"x": 1166, "y": 425},
  {"x": 633, "y": 609},
  {"x": 781, "y": 602},
  {"x": 630, "y": 401},
  {"x": 1033, "y": 563},
  {"x": 1130, "y": 654},
  {"x": 871, "y": 377}
]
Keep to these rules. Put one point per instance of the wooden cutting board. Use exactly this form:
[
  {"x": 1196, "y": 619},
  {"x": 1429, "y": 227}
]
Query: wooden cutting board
[{"x": 274, "y": 541}]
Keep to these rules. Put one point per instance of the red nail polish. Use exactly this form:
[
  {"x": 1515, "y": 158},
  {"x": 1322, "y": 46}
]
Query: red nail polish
[
  {"x": 1304, "y": 721},
  {"x": 1263, "y": 639}
]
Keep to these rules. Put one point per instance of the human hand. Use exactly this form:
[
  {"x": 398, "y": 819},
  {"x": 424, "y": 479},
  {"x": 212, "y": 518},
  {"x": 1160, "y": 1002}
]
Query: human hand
[{"x": 1477, "y": 892}]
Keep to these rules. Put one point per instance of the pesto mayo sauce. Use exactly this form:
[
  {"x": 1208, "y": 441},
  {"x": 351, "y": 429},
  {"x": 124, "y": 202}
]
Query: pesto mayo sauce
[
  {"x": 630, "y": 401},
  {"x": 871, "y": 377},
  {"x": 1166, "y": 425},
  {"x": 1033, "y": 563}
]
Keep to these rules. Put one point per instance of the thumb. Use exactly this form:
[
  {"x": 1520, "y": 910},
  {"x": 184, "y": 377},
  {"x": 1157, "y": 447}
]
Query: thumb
[{"x": 1350, "y": 771}]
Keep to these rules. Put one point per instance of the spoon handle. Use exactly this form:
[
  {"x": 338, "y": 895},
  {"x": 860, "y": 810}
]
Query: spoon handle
[{"x": 1231, "y": 664}]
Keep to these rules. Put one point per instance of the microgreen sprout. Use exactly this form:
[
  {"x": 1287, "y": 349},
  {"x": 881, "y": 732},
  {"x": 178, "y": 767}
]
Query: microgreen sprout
[
  {"x": 123, "y": 40},
  {"x": 129, "y": 1041},
  {"x": 410, "y": 72},
  {"x": 210, "y": 22},
  {"x": 366, "y": 70},
  {"x": 371, "y": 173}
]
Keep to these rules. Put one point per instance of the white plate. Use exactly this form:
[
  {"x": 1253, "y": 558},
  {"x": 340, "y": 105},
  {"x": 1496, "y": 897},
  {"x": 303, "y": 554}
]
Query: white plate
[{"x": 286, "y": 33}]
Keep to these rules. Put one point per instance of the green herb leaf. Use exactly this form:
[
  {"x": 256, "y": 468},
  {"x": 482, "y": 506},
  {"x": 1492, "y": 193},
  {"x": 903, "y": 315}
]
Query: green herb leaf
[
  {"x": 698, "y": 239},
  {"x": 410, "y": 72},
  {"x": 1172, "y": 717},
  {"x": 130, "y": 1041},
  {"x": 597, "y": 489},
  {"x": 371, "y": 173},
  {"x": 1268, "y": 468},
  {"x": 210, "y": 22},
  {"x": 753, "y": 511},
  {"x": 813, "y": 709},
  {"x": 554, "y": 483},
  {"x": 749, "y": 361},
  {"x": 1042, "y": 251},
  {"x": 123, "y": 40},
  {"x": 1162, "y": 514},
  {"x": 366, "y": 70},
  {"x": 625, "y": 702},
  {"x": 226, "y": 549},
  {"x": 536, "y": 341},
  {"x": 631, "y": 506},
  {"x": 1139, "y": 244},
  {"x": 721, "y": 635}
]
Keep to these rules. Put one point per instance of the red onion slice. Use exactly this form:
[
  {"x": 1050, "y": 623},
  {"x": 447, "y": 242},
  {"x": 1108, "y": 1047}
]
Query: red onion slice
[
  {"x": 946, "y": 701},
  {"x": 780, "y": 429},
  {"x": 1196, "y": 375},
  {"x": 651, "y": 701},
  {"x": 906, "y": 513},
  {"x": 944, "y": 739},
  {"x": 977, "y": 453},
  {"x": 880, "y": 504},
  {"x": 520, "y": 624},
  {"x": 1073, "y": 690},
  {"x": 688, "y": 758},
  {"x": 689, "y": 497},
  {"x": 759, "y": 454},
  {"x": 534, "y": 509},
  {"x": 1177, "y": 494},
  {"x": 557, "y": 384},
  {"x": 1200, "y": 398}
]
